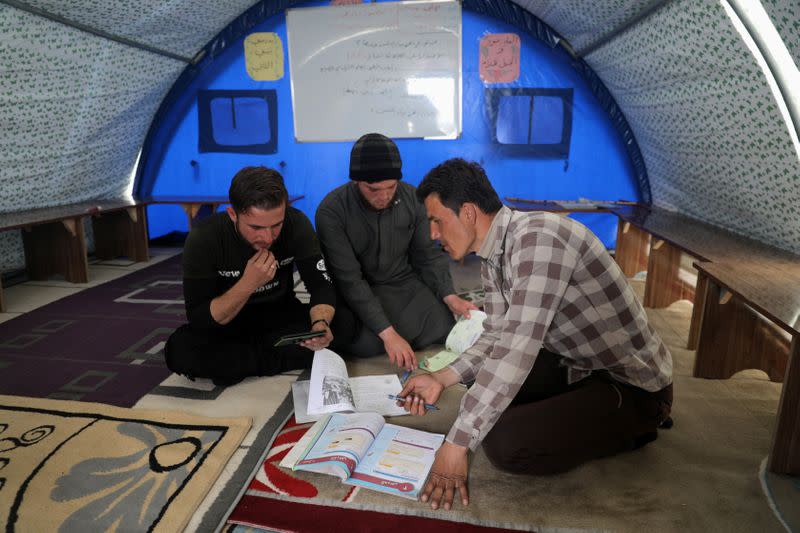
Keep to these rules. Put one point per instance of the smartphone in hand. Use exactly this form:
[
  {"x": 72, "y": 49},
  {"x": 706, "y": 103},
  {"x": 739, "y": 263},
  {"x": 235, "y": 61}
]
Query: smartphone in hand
[{"x": 295, "y": 338}]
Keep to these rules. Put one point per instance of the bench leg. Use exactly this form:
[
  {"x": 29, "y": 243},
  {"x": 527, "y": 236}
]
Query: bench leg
[
  {"x": 2, "y": 302},
  {"x": 632, "y": 246},
  {"x": 121, "y": 233},
  {"x": 195, "y": 212},
  {"x": 697, "y": 311},
  {"x": 733, "y": 337},
  {"x": 56, "y": 248},
  {"x": 663, "y": 286},
  {"x": 785, "y": 455}
]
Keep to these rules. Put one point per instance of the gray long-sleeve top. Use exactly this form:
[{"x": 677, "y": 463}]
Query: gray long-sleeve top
[{"x": 363, "y": 248}]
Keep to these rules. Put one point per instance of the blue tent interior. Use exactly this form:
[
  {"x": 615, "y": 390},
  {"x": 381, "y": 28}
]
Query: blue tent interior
[{"x": 596, "y": 166}]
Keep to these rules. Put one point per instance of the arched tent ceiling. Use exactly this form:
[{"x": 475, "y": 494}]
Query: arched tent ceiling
[
  {"x": 712, "y": 135},
  {"x": 180, "y": 27},
  {"x": 81, "y": 81}
]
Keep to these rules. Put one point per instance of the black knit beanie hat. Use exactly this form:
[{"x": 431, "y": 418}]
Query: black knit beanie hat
[{"x": 375, "y": 157}]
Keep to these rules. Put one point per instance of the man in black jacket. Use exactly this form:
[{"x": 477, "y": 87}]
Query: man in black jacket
[
  {"x": 392, "y": 281},
  {"x": 239, "y": 289}
]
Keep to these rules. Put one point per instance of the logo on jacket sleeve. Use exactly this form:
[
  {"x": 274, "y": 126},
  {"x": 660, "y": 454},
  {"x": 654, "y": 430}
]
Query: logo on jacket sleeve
[{"x": 321, "y": 268}]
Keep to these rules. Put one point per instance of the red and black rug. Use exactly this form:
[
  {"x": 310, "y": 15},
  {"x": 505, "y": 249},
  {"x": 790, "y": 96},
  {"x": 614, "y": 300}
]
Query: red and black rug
[{"x": 264, "y": 504}]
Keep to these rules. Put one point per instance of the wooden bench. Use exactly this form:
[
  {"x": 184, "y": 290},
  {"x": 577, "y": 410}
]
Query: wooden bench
[
  {"x": 55, "y": 242},
  {"x": 562, "y": 206},
  {"x": 197, "y": 207},
  {"x": 670, "y": 235},
  {"x": 732, "y": 337}
]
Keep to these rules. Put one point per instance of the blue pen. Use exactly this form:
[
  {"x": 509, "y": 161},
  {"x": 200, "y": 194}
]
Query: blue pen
[
  {"x": 406, "y": 375},
  {"x": 428, "y": 406}
]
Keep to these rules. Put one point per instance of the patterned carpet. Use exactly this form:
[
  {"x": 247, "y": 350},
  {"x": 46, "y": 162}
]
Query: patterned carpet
[
  {"x": 78, "y": 466},
  {"x": 103, "y": 344},
  {"x": 701, "y": 475},
  {"x": 300, "y": 515}
]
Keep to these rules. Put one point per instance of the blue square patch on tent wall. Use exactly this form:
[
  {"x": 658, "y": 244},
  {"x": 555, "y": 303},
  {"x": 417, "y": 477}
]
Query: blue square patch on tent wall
[
  {"x": 242, "y": 122},
  {"x": 530, "y": 121}
]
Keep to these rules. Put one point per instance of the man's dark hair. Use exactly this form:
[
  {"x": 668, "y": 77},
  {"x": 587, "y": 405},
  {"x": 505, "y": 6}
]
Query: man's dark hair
[
  {"x": 259, "y": 187},
  {"x": 457, "y": 181}
]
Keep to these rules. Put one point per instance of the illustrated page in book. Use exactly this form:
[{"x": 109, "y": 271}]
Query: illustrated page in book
[
  {"x": 461, "y": 337},
  {"x": 340, "y": 443},
  {"x": 330, "y": 390},
  {"x": 398, "y": 461}
]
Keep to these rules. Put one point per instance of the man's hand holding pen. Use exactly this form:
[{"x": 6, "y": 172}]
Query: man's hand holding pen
[{"x": 419, "y": 391}]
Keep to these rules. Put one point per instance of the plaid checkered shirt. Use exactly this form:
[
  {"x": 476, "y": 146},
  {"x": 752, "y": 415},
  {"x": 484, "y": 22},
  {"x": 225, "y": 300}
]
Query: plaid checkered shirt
[{"x": 550, "y": 283}]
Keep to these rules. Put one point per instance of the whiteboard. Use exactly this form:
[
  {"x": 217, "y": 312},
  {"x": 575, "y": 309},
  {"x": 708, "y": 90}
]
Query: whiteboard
[{"x": 392, "y": 68}]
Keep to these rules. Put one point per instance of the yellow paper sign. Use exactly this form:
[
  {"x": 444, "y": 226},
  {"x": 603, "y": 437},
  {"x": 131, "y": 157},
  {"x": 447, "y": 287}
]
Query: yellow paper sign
[{"x": 263, "y": 55}]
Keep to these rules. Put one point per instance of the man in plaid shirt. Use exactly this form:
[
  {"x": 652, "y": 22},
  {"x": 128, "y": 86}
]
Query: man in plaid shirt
[{"x": 567, "y": 368}]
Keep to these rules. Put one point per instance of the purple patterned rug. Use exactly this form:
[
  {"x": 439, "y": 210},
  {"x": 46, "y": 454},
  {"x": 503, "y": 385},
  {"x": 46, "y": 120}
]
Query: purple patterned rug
[{"x": 104, "y": 344}]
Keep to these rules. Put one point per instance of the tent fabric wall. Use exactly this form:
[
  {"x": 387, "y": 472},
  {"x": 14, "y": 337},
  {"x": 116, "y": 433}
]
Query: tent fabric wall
[
  {"x": 181, "y": 27},
  {"x": 585, "y": 22},
  {"x": 74, "y": 109},
  {"x": 715, "y": 143}
]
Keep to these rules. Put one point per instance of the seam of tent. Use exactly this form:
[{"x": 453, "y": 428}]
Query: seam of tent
[
  {"x": 94, "y": 31},
  {"x": 780, "y": 71}
]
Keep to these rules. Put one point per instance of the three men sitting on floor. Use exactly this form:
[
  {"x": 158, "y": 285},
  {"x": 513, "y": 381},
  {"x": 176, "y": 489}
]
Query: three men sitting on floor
[{"x": 567, "y": 368}]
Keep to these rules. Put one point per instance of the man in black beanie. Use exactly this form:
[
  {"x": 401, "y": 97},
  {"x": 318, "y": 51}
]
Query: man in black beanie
[{"x": 393, "y": 282}]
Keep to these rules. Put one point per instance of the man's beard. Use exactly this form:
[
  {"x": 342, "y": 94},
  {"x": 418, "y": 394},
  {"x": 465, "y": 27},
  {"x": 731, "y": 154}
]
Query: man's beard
[
  {"x": 252, "y": 245},
  {"x": 388, "y": 204}
]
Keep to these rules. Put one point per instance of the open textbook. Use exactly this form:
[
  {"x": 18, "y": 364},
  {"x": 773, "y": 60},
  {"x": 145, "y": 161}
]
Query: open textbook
[
  {"x": 362, "y": 449},
  {"x": 461, "y": 337},
  {"x": 330, "y": 390}
]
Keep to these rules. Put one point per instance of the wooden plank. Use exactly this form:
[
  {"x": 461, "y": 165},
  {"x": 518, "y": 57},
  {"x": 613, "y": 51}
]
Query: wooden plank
[
  {"x": 553, "y": 206},
  {"x": 784, "y": 458},
  {"x": 45, "y": 215},
  {"x": 631, "y": 253},
  {"x": 697, "y": 312},
  {"x": 699, "y": 239},
  {"x": 121, "y": 233},
  {"x": 771, "y": 287},
  {"x": 56, "y": 248},
  {"x": 663, "y": 285},
  {"x": 202, "y": 199},
  {"x": 733, "y": 338}
]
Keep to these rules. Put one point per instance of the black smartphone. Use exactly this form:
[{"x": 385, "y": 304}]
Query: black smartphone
[{"x": 294, "y": 338}]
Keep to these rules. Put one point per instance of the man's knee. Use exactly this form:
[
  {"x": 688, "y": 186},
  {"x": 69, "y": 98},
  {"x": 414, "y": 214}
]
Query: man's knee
[
  {"x": 197, "y": 353},
  {"x": 436, "y": 327},
  {"x": 365, "y": 344},
  {"x": 178, "y": 351},
  {"x": 508, "y": 455}
]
